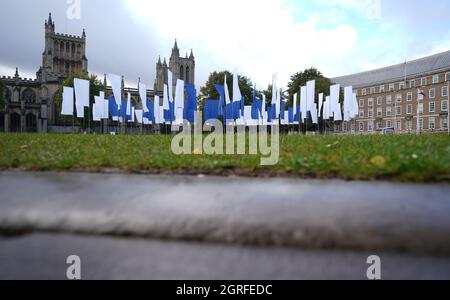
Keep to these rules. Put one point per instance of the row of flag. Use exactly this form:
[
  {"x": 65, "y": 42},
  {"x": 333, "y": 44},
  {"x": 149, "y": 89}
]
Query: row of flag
[
  {"x": 173, "y": 110},
  {"x": 304, "y": 107},
  {"x": 170, "y": 111}
]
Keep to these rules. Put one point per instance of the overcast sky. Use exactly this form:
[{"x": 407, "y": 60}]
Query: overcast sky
[{"x": 256, "y": 37}]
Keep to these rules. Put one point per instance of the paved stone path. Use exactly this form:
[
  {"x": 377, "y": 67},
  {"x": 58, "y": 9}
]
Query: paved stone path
[{"x": 248, "y": 221}]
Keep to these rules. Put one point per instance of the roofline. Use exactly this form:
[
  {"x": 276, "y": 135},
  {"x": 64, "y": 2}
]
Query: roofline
[{"x": 394, "y": 79}]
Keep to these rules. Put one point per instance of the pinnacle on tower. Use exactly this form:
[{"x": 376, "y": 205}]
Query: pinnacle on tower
[
  {"x": 159, "y": 60},
  {"x": 192, "y": 55},
  {"x": 84, "y": 33},
  {"x": 50, "y": 21},
  {"x": 17, "y": 72},
  {"x": 165, "y": 63}
]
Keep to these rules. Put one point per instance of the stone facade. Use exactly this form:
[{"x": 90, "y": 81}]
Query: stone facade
[
  {"x": 389, "y": 97},
  {"x": 181, "y": 67},
  {"x": 30, "y": 104}
]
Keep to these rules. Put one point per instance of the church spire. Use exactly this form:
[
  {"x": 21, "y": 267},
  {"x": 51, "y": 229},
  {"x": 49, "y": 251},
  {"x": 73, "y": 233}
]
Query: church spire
[
  {"x": 17, "y": 73},
  {"x": 192, "y": 55},
  {"x": 175, "y": 50},
  {"x": 50, "y": 21},
  {"x": 159, "y": 60}
]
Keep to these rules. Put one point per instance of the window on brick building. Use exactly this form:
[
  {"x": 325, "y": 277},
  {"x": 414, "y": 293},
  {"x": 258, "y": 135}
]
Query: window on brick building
[
  {"x": 361, "y": 102},
  {"x": 423, "y": 81},
  {"x": 436, "y": 79},
  {"x": 361, "y": 113},
  {"x": 409, "y": 109},
  {"x": 364, "y": 92},
  {"x": 382, "y": 88},
  {"x": 389, "y": 100},
  {"x": 399, "y": 110},
  {"x": 444, "y": 122},
  {"x": 370, "y": 102},
  {"x": 447, "y": 76},
  {"x": 379, "y": 112},
  {"x": 412, "y": 84},
  {"x": 432, "y": 93},
  {"x": 379, "y": 101},
  {"x": 401, "y": 85},
  {"x": 432, "y": 107},
  {"x": 444, "y": 91},
  {"x": 372, "y": 90},
  {"x": 409, "y": 96},
  {"x": 388, "y": 111},
  {"x": 391, "y": 87},
  {"x": 444, "y": 105},
  {"x": 432, "y": 123}
]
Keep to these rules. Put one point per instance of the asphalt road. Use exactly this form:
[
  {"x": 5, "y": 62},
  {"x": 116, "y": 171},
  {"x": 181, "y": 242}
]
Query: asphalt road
[{"x": 179, "y": 227}]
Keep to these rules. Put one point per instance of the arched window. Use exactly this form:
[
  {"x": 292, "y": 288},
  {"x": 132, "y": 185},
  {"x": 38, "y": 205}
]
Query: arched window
[
  {"x": 73, "y": 50},
  {"x": 181, "y": 73},
  {"x": 61, "y": 47},
  {"x": 29, "y": 96},
  {"x": 187, "y": 75},
  {"x": 8, "y": 96},
  {"x": 31, "y": 122}
]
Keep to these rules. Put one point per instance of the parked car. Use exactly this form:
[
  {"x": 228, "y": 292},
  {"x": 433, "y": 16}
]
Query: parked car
[{"x": 388, "y": 130}]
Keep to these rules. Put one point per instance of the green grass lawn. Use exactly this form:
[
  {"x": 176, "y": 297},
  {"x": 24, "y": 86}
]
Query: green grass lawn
[{"x": 424, "y": 158}]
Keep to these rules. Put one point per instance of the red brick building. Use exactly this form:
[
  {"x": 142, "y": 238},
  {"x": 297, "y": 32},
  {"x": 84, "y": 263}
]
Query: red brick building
[{"x": 390, "y": 98}]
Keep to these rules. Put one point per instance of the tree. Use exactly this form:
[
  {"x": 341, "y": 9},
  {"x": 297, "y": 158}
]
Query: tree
[
  {"x": 95, "y": 87},
  {"x": 299, "y": 79},
  {"x": 209, "y": 90},
  {"x": 2, "y": 99}
]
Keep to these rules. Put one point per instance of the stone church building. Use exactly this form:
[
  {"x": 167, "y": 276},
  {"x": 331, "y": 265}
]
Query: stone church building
[{"x": 30, "y": 104}]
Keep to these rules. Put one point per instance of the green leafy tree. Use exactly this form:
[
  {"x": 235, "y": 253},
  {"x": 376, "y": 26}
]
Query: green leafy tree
[
  {"x": 95, "y": 87},
  {"x": 209, "y": 90},
  {"x": 2, "y": 99},
  {"x": 300, "y": 79}
]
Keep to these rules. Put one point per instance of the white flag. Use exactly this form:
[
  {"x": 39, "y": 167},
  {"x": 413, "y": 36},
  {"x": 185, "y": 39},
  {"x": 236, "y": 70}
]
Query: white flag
[
  {"x": 274, "y": 89},
  {"x": 105, "y": 110},
  {"x": 81, "y": 95},
  {"x": 320, "y": 104},
  {"x": 335, "y": 105},
  {"x": 143, "y": 96},
  {"x": 166, "y": 105},
  {"x": 326, "y": 108},
  {"x": 237, "y": 96},
  {"x": 67, "y": 104},
  {"x": 156, "y": 109},
  {"x": 129, "y": 104},
  {"x": 227, "y": 92},
  {"x": 170, "y": 85},
  {"x": 303, "y": 102},
  {"x": 348, "y": 103},
  {"x": 139, "y": 115},
  {"x": 116, "y": 85}
]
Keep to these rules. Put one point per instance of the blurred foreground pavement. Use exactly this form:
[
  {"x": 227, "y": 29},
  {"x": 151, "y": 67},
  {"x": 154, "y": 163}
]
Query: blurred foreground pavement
[{"x": 176, "y": 227}]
